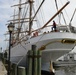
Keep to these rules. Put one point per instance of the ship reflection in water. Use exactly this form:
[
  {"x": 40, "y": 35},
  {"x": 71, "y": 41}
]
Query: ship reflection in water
[{"x": 67, "y": 70}]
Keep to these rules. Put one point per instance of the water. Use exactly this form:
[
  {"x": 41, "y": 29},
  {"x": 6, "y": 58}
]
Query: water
[{"x": 67, "y": 70}]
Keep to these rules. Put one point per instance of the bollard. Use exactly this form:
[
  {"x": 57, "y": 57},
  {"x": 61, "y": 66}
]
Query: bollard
[
  {"x": 14, "y": 69},
  {"x": 21, "y": 70}
]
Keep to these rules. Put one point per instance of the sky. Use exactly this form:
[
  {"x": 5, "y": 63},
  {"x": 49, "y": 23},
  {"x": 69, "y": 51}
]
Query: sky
[{"x": 6, "y": 11}]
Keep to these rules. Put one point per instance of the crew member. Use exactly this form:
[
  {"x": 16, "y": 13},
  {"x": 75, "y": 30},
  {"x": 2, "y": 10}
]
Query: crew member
[{"x": 54, "y": 26}]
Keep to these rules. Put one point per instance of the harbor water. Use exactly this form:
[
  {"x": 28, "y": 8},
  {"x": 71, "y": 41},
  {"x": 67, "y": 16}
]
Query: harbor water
[{"x": 67, "y": 70}]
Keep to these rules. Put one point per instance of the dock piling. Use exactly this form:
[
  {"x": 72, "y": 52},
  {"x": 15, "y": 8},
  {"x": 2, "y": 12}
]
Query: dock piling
[
  {"x": 21, "y": 70},
  {"x": 34, "y": 61}
]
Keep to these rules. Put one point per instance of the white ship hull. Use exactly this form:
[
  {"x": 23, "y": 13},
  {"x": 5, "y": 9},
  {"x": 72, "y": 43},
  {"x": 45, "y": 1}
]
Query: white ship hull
[{"x": 53, "y": 50}]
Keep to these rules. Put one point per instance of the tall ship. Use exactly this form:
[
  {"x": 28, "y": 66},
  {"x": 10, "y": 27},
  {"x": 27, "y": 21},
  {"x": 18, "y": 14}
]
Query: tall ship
[{"x": 28, "y": 31}]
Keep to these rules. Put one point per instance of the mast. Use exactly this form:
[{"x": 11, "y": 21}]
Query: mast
[
  {"x": 30, "y": 15},
  {"x": 19, "y": 14}
]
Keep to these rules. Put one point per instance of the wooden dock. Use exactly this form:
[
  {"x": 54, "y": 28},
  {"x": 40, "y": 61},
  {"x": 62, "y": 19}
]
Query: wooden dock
[{"x": 2, "y": 69}]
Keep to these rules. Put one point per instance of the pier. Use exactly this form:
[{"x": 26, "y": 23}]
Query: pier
[
  {"x": 3, "y": 70},
  {"x": 33, "y": 64}
]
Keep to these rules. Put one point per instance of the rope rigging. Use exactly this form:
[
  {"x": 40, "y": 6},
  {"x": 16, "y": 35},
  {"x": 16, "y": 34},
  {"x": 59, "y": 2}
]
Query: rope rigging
[
  {"x": 73, "y": 16},
  {"x": 37, "y": 22},
  {"x": 65, "y": 10},
  {"x": 37, "y": 10},
  {"x": 40, "y": 17},
  {"x": 57, "y": 10},
  {"x": 41, "y": 13},
  {"x": 23, "y": 16},
  {"x": 63, "y": 18}
]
